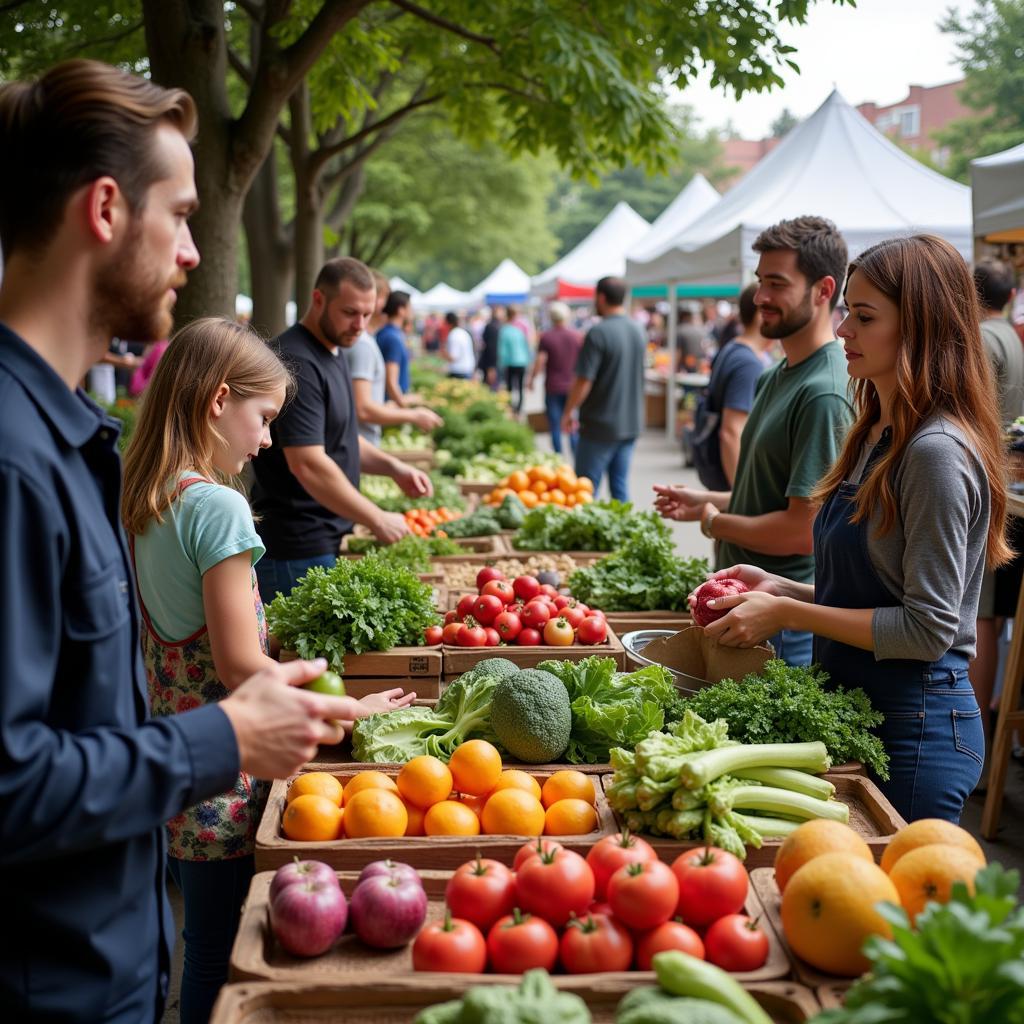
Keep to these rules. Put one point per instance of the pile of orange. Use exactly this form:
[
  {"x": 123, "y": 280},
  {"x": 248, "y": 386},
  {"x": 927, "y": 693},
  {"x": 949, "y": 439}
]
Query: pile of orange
[
  {"x": 424, "y": 521},
  {"x": 830, "y": 885},
  {"x": 472, "y": 794},
  {"x": 544, "y": 485}
]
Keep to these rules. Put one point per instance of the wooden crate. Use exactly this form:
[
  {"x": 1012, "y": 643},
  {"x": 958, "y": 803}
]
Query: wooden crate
[
  {"x": 461, "y": 659},
  {"x": 442, "y": 853},
  {"x": 256, "y": 956},
  {"x": 399, "y": 1001},
  {"x": 475, "y": 548},
  {"x": 832, "y": 997},
  {"x": 762, "y": 880},
  {"x": 421, "y": 458},
  {"x": 871, "y": 816},
  {"x": 469, "y": 487},
  {"x": 377, "y": 670},
  {"x": 629, "y": 622}
]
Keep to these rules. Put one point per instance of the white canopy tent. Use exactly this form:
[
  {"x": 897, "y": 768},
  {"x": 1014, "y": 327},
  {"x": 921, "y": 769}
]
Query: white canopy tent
[
  {"x": 397, "y": 284},
  {"x": 442, "y": 297},
  {"x": 695, "y": 199},
  {"x": 601, "y": 253},
  {"x": 507, "y": 282},
  {"x": 998, "y": 196}
]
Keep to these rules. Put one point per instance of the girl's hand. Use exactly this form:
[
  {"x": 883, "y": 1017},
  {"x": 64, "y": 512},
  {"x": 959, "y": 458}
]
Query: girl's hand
[
  {"x": 753, "y": 617},
  {"x": 387, "y": 700}
]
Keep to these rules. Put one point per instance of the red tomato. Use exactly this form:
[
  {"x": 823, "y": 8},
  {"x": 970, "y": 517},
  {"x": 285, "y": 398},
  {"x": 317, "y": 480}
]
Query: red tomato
[
  {"x": 532, "y": 849},
  {"x": 508, "y": 625},
  {"x": 471, "y": 636},
  {"x": 643, "y": 895},
  {"x": 481, "y": 892},
  {"x": 558, "y": 633},
  {"x": 562, "y": 601},
  {"x": 595, "y": 944},
  {"x": 450, "y": 617},
  {"x": 670, "y": 935},
  {"x": 432, "y": 635},
  {"x": 487, "y": 573},
  {"x": 712, "y": 883},
  {"x": 535, "y": 614},
  {"x": 573, "y": 615},
  {"x": 555, "y": 886},
  {"x": 607, "y": 855},
  {"x": 517, "y": 943},
  {"x": 735, "y": 943},
  {"x": 528, "y": 638},
  {"x": 450, "y": 632},
  {"x": 587, "y": 611},
  {"x": 592, "y": 630},
  {"x": 486, "y": 608},
  {"x": 526, "y": 587},
  {"x": 450, "y": 945},
  {"x": 493, "y": 639},
  {"x": 501, "y": 589},
  {"x": 465, "y": 605},
  {"x": 547, "y": 588}
]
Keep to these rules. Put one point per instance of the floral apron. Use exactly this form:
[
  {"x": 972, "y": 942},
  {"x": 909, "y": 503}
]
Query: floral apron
[{"x": 181, "y": 676}]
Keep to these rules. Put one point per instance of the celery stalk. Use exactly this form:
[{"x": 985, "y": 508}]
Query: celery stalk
[
  {"x": 790, "y": 778},
  {"x": 783, "y": 802},
  {"x": 769, "y": 828},
  {"x": 700, "y": 769}
]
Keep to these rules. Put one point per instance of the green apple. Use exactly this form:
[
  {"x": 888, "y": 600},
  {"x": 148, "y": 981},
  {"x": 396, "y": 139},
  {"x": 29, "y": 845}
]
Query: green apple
[{"x": 327, "y": 682}]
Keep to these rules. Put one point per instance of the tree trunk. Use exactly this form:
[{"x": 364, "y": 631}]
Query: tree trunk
[
  {"x": 271, "y": 257},
  {"x": 309, "y": 235}
]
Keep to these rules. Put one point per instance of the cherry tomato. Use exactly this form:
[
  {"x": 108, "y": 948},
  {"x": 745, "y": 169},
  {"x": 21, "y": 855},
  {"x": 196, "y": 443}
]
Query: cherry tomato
[
  {"x": 481, "y": 892},
  {"x": 526, "y": 587},
  {"x": 450, "y": 617},
  {"x": 471, "y": 636},
  {"x": 555, "y": 886},
  {"x": 535, "y": 615},
  {"x": 573, "y": 615},
  {"x": 465, "y": 605},
  {"x": 670, "y": 935},
  {"x": 450, "y": 633},
  {"x": 487, "y": 573},
  {"x": 607, "y": 855},
  {"x": 432, "y": 635},
  {"x": 735, "y": 943},
  {"x": 486, "y": 608},
  {"x": 501, "y": 589},
  {"x": 643, "y": 895},
  {"x": 519, "y": 942},
  {"x": 528, "y": 638},
  {"x": 592, "y": 630},
  {"x": 558, "y": 633},
  {"x": 534, "y": 848},
  {"x": 450, "y": 945},
  {"x": 493, "y": 639},
  {"x": 595, "y": 944},
  {"x": 712, "y": 883},
  {"x": 508, "y": 625}
]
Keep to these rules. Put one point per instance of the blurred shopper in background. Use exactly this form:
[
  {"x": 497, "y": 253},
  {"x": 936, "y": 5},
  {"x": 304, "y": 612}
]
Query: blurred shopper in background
[
  {"x": 513, "y": 357},
  {"x": 557, "y": 352},
  {"x": 458, "y": 349}
]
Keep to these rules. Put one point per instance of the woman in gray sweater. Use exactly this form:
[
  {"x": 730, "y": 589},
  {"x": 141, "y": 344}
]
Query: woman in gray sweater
[{"x": 909, "y": 515}]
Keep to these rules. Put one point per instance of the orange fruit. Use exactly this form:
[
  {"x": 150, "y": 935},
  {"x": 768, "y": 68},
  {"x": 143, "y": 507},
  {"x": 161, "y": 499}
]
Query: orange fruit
[
  {"x": 567, "y": 784},
  {"x": 320, "y": 783},
  {"x": 528, "y": 498},
  {"x": 451, "y": 818},
  {"x": 516, "y": 778},
  {"x": 584, "y": 483},
  {"x": 368, "y": 780},
  {"x": 925, "y": 832},
  {"x": 542, "y": 473},
  {"x": 557, "y": 496},
  {"x": 565, "y": 479},
  {"x": 475, "y": 767},
  {"x": 828, "y": 910},
  {"x": 512, "y": 812},
  {"x": 570, "y": 501},
  {"x": 570, "y": 817},
  {"x": 311, "y": 818},
  {"x": 518, "y": 480},
  {"x": 584, "y": 497},
  {"x": 415, "y": 824},
  {"x": 539, "y": 487},
  {"x": 424, "y": 781},
  {"x": 375, "y": 812},
  {"x": 928, "y": 873},
  {"x": 810, "y": 840}
]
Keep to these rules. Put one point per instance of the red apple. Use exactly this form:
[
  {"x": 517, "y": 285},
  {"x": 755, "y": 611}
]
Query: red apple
[
  {"x": 300, "y": 871},
  {"x": 387, "y": 912},
  {"x": 389, "y": 868},
  {"x": 308, "y": 918}
]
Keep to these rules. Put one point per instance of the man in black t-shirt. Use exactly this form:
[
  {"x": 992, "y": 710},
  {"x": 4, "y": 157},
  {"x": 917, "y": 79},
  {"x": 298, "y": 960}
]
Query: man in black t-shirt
[{"x": 306, "y": 493}]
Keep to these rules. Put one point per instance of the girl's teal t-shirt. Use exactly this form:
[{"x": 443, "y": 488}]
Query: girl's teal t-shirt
[{"x": 205, "y": 524}]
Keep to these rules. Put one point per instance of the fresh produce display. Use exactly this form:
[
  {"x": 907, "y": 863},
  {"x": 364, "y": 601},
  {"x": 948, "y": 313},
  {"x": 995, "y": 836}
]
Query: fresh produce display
[
  {"x": 358, "y": 605},
  {"x": 482, "y": 429},
  {"x": 414, "y": 552},
  {"x": 543, "y": 482},
  {"x": 704, "y": 615},
  {"x": 405, "y": 438},
  {"x": 497, "y": 462},
  {"x": 384, "y": 492},
  {"x": 484, "y": 522},
  {"x": 644, "y": 575},
  {"x": 548, "y": 568},
  {"x": 522, "y": 611},
  {"x": 782, "y": 704},
  {"x": 601, "y": 526},
  {"x": 689, "y": 784}
]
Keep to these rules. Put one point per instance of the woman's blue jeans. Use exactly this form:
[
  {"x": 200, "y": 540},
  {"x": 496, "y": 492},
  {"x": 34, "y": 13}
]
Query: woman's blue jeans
[
  {"x": 213, "y": 892},
  {"x": 280, "y": 574}
]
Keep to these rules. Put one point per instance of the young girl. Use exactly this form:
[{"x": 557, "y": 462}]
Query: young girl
[
  {"x": 206, "y": 413},
  {"x": 910, "y": 512}
]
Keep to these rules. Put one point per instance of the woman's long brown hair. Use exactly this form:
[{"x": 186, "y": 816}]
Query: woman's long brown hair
[
  {"x": 941, "y": 368},
  {"x": 175, "y": 431}
]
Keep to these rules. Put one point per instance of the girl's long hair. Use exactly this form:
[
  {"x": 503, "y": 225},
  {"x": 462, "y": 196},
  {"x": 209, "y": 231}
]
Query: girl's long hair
[
  {"x": 941, "y": 368},
  {"x": 175, "y": 431}
]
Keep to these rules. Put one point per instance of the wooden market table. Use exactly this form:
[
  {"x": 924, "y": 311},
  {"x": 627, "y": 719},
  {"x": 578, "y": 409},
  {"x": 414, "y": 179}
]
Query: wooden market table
[{"x": 1010, "y": 715}]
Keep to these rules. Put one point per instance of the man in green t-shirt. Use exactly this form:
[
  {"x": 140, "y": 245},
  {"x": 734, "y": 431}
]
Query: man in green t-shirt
[{"x": 796, "y": 428}]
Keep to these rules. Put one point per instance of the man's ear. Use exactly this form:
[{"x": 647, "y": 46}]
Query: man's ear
[
  {"x": 105, "y": 209},
  {"x": 827, "y": 286}
]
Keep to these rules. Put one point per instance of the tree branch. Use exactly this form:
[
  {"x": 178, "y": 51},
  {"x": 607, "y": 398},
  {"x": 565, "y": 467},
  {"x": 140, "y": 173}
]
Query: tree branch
[
  {"x": 240, "y": 67},
  {"x": 448, "y": 26},
  {"x": 88, "y": 44}
]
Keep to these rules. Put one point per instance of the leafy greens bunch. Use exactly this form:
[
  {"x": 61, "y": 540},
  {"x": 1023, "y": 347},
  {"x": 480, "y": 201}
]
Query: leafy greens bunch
[
  {"x": 644, "y": 574},
  {"x": 962, "y": 962},
  {"x": 790, "y": 705},
  {"x": 365, "y": 604},
  {"x": 386, "y": 494},
  {"x": 414, "y": 553},
  {"x": 599, "y": 526}
]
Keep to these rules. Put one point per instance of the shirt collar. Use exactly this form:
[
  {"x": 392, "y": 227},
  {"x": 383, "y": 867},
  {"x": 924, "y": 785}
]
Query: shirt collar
[{"x": 73, "y": 415}]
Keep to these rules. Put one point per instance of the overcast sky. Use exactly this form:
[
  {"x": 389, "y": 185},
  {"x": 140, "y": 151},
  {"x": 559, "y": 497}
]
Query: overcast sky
[{"x": 873, "y": 51}]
